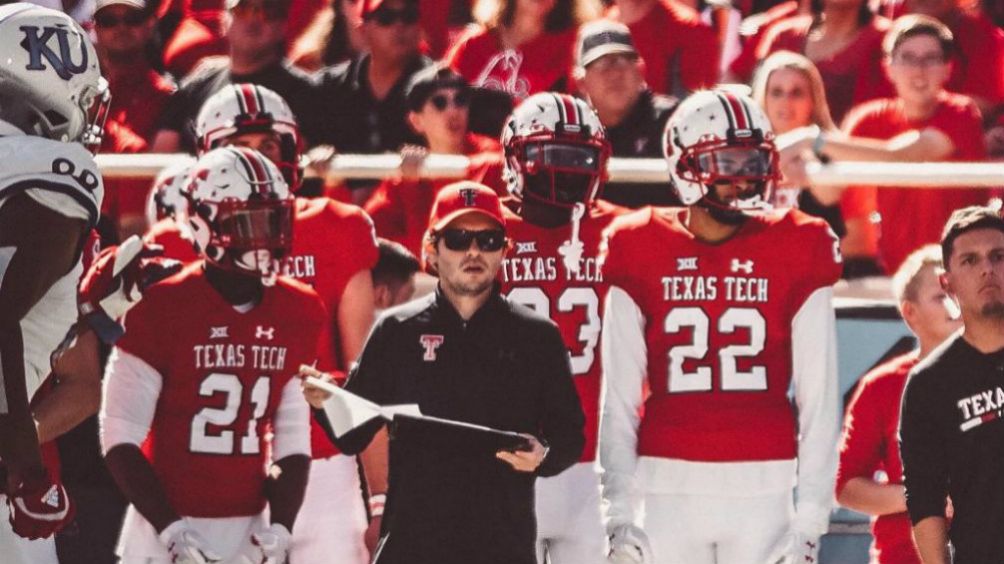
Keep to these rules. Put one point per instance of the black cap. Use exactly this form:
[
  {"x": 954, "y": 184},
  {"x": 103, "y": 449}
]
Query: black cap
[
  {"x": 427, "y": 81},
  {"x": 600, "y": 38}
]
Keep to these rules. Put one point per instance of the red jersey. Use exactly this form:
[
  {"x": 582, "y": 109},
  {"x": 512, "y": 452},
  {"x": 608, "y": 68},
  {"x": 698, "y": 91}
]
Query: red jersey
[
  {"x": 852, "y": 76},
  {"x": 912, "y": 218},
  {"x": 718, "y": 328},
  {"x": 672, "y": 35},
  {"x": 222, "y": 373},
  {"x": 166, "y": 234},
  {"x": 540, "y": 65},
  {"x": 332, "y": 242},
  {"x": 400, "y": 207},
  {"x": 534, "y": 275},
  {"x": 870, "y": 443}
]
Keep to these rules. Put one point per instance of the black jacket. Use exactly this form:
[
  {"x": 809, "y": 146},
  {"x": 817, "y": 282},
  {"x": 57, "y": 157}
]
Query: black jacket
[{"x": 505, "y": 368}]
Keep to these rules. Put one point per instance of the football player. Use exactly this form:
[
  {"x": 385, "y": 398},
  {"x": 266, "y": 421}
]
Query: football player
[
  {"x": 52, "y": 106},
  {"x": 555, "y": 159},
  {"x": 206, "y": 373},
  {"x": 333, "y": 251},
  {"x": 714, "y": 310}
]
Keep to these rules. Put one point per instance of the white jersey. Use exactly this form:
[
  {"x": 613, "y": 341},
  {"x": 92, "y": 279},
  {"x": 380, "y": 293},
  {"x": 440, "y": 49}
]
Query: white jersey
[{"x": 64, "y": 178}]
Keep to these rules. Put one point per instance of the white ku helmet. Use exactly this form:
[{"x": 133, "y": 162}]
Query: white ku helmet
[
  {"x": 240, "y": 211},
  {"x": 50, "y": 82},
  {"x": 721, "y": 136},
  {"x": 249, "y": 108},
  {"x": 555, "y": 151}
]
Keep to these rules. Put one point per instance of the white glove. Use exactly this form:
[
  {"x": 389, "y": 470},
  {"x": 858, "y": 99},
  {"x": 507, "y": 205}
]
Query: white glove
[
  {"x": 804, "y": 549},
  {"x": 267, "y": 546},
  {"x": 628, "y": 545},
  {"x": 186, "y": 546}
]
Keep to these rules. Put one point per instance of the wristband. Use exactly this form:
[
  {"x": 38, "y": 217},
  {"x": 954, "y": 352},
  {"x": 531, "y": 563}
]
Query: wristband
[
  {"x": 376, "y": 504},
  {"x": 817, "y": 146}
]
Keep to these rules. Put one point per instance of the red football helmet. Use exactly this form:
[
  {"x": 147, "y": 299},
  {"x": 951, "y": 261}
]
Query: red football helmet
[
  {"x": 240, "y": 211},
  {"x": 249, "y": 108},
  {"x": 555, "y": 151}
]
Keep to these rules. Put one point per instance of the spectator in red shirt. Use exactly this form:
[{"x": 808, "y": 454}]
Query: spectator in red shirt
[
  {"x": 522, "y": 47},
  {"x": 673, "y": 42},
  {"x": 844, "y": 40},
  {"x": 123, "y": 32},
  {"x": 870, "y": 438},
  {"x": 923, "y": 123},
  {"x": 754, "y": 28},
  {"x": 438, "y": 101},
  {"x": 978, "y": 62}
]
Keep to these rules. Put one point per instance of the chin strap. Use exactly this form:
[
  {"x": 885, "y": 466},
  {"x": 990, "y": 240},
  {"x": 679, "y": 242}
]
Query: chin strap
[{"x": 571, "y": 250}]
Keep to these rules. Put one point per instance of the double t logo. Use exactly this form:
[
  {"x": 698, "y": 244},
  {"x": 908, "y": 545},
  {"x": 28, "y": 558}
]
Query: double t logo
[{"x": 38, "y": 47}]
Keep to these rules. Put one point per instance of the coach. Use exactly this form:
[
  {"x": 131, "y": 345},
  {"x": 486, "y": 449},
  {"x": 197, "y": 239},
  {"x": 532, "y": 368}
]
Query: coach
[
  {"x": 466, "y": 353},
  {"x": 951, "y": 427}
]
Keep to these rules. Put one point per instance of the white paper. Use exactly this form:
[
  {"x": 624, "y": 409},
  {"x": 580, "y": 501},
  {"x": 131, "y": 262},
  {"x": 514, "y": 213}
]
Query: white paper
[{"x": 346, "y": 411}]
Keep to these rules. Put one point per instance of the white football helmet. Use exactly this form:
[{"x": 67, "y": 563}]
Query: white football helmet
[
  {"x": 249, "y": 108},
  {"x": 240, "y": 211},
  {"x": 721, "y": 136},
  {"x": 50, "y": 82},
  {"x": 555, "y": 151},
  {"x": 165, "y": 198}
]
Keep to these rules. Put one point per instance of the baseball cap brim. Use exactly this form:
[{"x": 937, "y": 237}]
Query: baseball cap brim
[
  {"x": 603, "y": 50},
  {"x": 136, "y": 4},
  {"x": 457, "y": 214}
]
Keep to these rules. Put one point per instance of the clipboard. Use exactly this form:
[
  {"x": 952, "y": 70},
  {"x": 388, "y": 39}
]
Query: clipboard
[{"x": 454, "y": 437}]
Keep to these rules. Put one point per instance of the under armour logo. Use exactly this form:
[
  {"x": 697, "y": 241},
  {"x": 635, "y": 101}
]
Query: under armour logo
[
  {"x": 218, "y": 332},
  {"x": 469, "y": 195},
  {"x": 745, "y": 266},
  {"x": 51, "y": 497},
  {"x": 686, "y": 263},
  {"x": 431, "y": 343},
  {"x": 261, "y": 332},
  {"x": 38, "y": 47},
  {"x": 526, "y": 247}
]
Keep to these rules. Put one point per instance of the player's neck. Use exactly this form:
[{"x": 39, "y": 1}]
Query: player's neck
[
  {"x": 236, "y": 289},
  {"x": 985, "y": 334},
  {"x": 543, "y": 215},
  {"x": 706, "y": 228}
]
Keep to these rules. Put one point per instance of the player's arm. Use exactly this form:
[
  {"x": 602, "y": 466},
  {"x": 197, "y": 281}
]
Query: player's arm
[
  {"x": 291, "y": 451},
  {"x": 624, "y": 371},
  {"x": 814, "y": 371},
  {"x": 77, "y": 392},
  {"x": 130, "y": 393},
  {"x": 37, "y": 246},
  {"x": 355, "y": 314},
  {"x": 928, "y": 144},
  {"x": 860, "y": 453}
]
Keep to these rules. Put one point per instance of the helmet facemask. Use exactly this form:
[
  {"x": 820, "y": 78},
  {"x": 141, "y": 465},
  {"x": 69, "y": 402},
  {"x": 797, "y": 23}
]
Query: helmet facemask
[
  {"x": 560, "y": 172},
  {"x": 750, "y": 163}
]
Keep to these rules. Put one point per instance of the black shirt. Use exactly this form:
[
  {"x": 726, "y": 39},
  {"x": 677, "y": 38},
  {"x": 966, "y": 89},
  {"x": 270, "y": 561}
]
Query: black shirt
[
  {"x": 295, "y": 86},
  {"x": 952, "y": 443},
  {"x": 505, "y": 368},
  {"x": 353, "y": 120},
  {"x": 640, "y": 135}
]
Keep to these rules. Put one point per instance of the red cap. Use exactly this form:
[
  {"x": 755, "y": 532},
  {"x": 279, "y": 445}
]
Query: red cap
[{"x": 462, "y": 198}]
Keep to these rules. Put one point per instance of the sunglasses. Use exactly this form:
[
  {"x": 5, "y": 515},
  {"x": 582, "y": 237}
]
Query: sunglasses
[
  {"x": 386, "y": 17},
  {"x": 131, "y": 19},
  {"x": 460, "y": 100},
  {"x": 489, "y": 240}
]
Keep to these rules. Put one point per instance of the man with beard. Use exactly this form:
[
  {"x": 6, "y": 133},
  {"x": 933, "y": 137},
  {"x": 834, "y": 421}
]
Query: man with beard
[
  {"x": 708, "y": 324},
  {"x": 468, "y": 354},
  {"x": 951, "y": 429}
]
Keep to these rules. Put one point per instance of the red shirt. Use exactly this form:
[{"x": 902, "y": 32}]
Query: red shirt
[
  {"x": 138, "y": 96},
  {"x": 852, "y": 76},
  {"x": 223, "y": 373},
  {"x": 870, "y": 443},
  {"x": 912, "y": 218},
  {"x": 540, "y": 65},
  {"x": 534, "y": 274},
  {"x": 123, "y": 196},
  {"x": 671, "y": 34},
  {"x": 400, "y": 207},
  {"x": 718, "y": 321},
  {"x": 978, "y": 69},
  {"x": 744, "y": 65}
]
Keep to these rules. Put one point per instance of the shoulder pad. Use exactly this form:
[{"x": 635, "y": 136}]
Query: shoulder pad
[{"x": 67, "y": 168}]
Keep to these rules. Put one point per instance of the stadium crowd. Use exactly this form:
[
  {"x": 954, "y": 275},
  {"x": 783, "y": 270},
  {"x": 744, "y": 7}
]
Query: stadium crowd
[{"x": 838, "y": 80}]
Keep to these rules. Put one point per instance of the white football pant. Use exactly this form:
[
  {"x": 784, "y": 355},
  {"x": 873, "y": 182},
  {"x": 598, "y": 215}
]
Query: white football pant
[
  {"x": 569, "y": 523},
  {"x": 19, "y": 550},
  {"x": 332, "y": 521}
]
